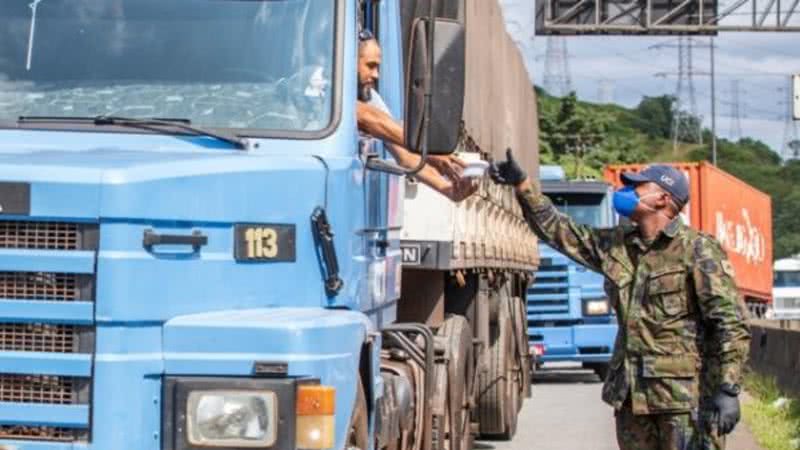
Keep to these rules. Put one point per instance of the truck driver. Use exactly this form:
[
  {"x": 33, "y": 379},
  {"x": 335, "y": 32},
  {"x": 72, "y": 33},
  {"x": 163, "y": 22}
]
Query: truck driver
[{"x": 442, "y": 173}]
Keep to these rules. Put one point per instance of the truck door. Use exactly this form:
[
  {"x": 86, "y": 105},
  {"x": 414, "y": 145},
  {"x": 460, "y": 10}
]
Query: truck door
[{"x": 383, "y": 191}]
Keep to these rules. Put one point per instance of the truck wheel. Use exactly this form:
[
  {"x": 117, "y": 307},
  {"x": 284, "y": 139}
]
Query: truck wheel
[
  {"x": 601, "y": 369},
  {"x": 524, "y": 362},
  {"x": 497, "y": 391},
  {"x": 358, "y": 434},
  {"x": 441, "y": 429},
  {"x": 461, "y": 380}
]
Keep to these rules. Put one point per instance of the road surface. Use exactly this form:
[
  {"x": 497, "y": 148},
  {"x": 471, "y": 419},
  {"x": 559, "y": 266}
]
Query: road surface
[{"x": 566, "y": 413}]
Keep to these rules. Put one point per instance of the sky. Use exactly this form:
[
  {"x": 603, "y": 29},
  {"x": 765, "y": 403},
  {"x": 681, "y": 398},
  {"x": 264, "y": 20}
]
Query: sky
[{"x": 624, "y": 68}]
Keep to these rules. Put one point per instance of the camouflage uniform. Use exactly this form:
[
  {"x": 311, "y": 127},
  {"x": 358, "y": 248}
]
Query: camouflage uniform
[{"x": 680, "y": 319}]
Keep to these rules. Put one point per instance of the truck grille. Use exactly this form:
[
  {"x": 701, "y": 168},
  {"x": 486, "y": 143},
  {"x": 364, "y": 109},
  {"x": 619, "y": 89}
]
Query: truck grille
[
  {"x": 44, "y": 286},
  {"x": 46, "y": 334},
  {"x": 48, "y": 235},
  {"x": 41, "y": 337},
  {"x": 548, "y": 297},
  {"x": 39, "y": 389},
  {"x": 58, "y": 434}
]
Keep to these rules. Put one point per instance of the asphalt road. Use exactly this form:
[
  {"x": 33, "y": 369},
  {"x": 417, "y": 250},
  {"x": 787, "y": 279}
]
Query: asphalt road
[{"x": 566, "y": 413}]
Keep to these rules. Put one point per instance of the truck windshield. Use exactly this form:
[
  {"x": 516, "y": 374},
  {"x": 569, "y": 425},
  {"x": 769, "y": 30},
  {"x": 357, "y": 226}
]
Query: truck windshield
[
  {"x": 586, "y": 209},
  {"x": 243, "y": 64},
  {"x": 788, "y": 278}
]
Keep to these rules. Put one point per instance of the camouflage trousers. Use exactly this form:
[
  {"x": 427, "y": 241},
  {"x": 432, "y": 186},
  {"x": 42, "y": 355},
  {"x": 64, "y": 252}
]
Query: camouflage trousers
[{"x": 680, "y": 431}]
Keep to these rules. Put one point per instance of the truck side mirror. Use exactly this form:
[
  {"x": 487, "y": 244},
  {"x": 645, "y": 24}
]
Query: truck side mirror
[{"x": 446, "y": 92}]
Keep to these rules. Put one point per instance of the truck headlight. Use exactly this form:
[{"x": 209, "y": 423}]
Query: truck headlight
[
  {"x": 596, "y": 307},
  {"x": 223, "y": 418}
]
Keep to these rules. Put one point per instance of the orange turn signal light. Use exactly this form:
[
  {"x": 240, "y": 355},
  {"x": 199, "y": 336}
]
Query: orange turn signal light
[{"x": 316, "y": 400}]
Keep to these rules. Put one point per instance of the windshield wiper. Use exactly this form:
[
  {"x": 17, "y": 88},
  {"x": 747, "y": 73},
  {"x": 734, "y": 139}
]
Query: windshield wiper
[{"x": 150, "y": 124}]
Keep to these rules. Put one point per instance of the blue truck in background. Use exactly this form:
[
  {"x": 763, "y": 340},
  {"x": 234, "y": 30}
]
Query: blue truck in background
[
  {"x": 569, "y": 316},
  {"x": 199, "y": 250}
]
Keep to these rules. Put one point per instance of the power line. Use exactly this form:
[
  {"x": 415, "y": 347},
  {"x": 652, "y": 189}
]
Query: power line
[
  {"x": 686, "y": 122},
  {"x": 557, "y": 76},
  {"x": 790, "y": 147},
  {"x": 736, "y": 115}
]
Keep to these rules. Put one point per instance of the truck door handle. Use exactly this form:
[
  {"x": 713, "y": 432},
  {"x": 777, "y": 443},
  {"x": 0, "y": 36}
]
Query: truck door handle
[
  {"x": 323, "y": 235},
  {"x": 197, "y": 239}
]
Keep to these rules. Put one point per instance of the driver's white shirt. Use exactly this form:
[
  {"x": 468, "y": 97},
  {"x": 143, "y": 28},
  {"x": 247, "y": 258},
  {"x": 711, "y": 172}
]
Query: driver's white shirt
[{"x": 377, "y": 101}]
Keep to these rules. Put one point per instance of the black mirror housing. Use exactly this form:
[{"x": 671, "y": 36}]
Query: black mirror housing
[{"x": 446, "y": 90}]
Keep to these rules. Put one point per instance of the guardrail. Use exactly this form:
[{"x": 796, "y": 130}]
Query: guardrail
[{"x": 775, "y": 351}]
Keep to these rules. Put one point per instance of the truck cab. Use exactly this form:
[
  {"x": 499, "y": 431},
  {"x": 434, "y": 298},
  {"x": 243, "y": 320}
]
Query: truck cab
[
  {"x": 198, "y": 249},
  {"x": 170, "y": 174},
  {"x": 786, "y": 289},
  {"x": 569, "y": 316}
]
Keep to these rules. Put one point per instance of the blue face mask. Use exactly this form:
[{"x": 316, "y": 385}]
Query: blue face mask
[{"x": 625, "y": 201}]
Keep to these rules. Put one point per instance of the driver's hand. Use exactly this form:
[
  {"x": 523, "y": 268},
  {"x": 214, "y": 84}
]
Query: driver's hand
[
  {"x": 462, "y": 188},
  {"x": 449, "y": 166}
]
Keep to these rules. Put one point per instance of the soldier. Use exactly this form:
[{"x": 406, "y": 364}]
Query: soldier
[{"x": 681, "y": 324}]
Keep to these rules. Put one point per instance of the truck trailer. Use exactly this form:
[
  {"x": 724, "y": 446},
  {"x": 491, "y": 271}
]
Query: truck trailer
[
  {"x": 569, "y": 315},
  {"x": 737, "y": 215},
  {"x": 199, "y": 250}
]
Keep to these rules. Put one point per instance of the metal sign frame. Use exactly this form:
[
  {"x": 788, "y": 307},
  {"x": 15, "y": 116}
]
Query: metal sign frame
[{"x": 654, "y": 17}]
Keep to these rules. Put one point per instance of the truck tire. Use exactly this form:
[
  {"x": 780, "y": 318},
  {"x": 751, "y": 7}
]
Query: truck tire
[
  {"x": 358, "y": 432},
  {"x": 600, "y": 369},
  {"x": 461, "y": 380},
  {"x": 524, "y": 360},
  {"x": 497, "y": 401},
  {"x": 440, "y": 423}
]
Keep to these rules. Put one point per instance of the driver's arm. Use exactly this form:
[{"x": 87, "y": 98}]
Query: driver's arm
[
  {"x": 381, "y": 125},
  {"x": 377, "y": 123},
  {"x": 454, "y": 190}
]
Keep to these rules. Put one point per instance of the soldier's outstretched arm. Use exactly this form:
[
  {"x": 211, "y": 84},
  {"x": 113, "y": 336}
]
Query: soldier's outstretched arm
[
  {"x": 587, "y": 246},
  {"x": 722, "y": 307}
]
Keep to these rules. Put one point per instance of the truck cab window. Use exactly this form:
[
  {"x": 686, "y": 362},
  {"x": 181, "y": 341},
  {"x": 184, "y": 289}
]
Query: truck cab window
[
  {"x": 586, "y": 209},
  {"x": 787, "y": 278},
  {"x": 249, "y": 65}
]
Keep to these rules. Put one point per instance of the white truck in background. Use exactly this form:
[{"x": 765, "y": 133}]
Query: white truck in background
[{"x": 786, "y": 289}]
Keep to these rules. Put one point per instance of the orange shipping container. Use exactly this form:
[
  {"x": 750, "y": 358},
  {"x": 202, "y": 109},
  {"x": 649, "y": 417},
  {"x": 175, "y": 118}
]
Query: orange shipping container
[{"x": 735, "y": 213}]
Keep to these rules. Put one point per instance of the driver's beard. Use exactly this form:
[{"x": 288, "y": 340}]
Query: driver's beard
[{"x": 364, "y": 92}]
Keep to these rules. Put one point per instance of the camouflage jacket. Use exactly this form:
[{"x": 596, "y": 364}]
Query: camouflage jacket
[{"x": 679, "y": 312}]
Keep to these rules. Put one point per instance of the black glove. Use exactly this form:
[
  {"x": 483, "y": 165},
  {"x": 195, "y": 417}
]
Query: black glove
[
  {"x": 508, "y": 171},
  {"x": 728, "y": 414}
]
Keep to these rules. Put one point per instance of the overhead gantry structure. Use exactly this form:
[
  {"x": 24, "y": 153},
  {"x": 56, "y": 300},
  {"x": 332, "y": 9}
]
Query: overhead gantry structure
[{"x": 655, "y": 17}]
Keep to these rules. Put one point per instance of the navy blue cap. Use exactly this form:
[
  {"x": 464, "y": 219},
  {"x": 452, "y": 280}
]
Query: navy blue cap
[{"x": 668, "y": 178}]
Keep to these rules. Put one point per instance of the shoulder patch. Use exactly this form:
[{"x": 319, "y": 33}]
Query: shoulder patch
[
  {"x": 708, "y": 266},
  {"x": 699, "y": 248},
  {"x": 706, "y": 245}
]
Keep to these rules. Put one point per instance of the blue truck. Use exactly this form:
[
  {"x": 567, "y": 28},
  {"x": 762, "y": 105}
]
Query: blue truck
[
  {"x": 569, "y": 316},
  {"x": 199, "y": 250}
]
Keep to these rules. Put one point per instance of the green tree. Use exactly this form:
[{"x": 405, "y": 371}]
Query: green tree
[
  {"x": 571, "y": 132},
  {"x": 654, "y": 116}
]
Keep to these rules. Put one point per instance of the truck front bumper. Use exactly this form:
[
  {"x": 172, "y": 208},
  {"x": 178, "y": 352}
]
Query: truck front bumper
[
  {"x": 130, "y": 407},
  {"x": 577, "y": 343}
]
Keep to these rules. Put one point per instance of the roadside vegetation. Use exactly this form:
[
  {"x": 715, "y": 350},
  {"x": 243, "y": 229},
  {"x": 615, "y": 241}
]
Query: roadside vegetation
[
  {"x": 584, "y": 137},
  {"x": 773, "y": 418}
]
